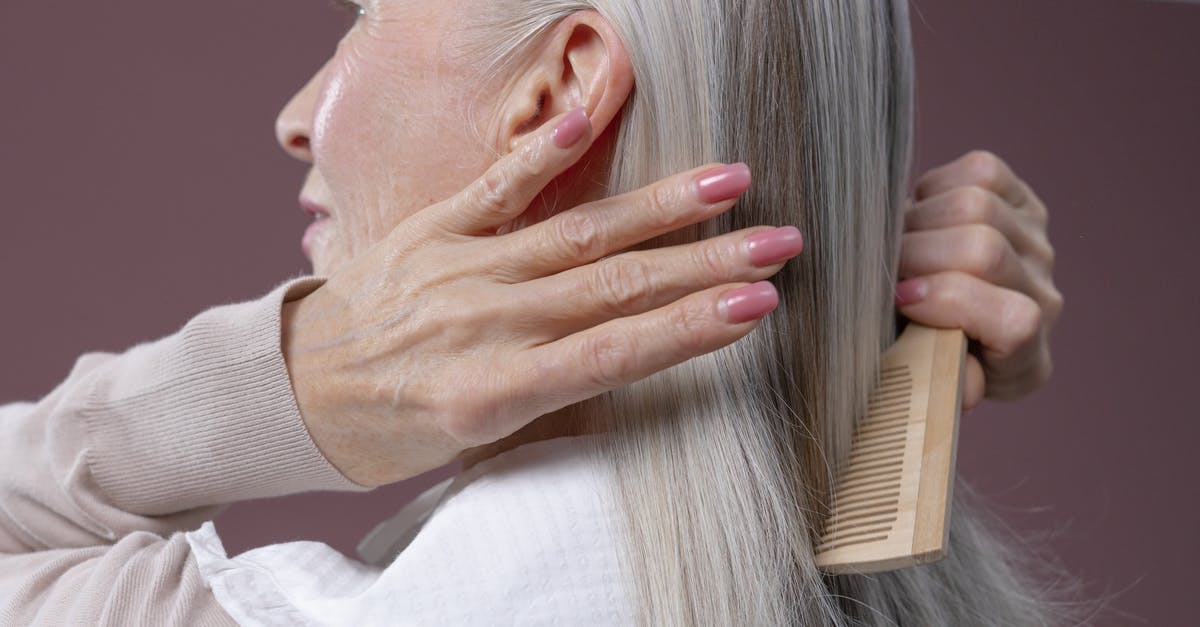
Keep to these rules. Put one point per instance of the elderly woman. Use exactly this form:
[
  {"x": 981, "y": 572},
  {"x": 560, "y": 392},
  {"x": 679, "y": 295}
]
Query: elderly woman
[{"x": 526, "y": 265}]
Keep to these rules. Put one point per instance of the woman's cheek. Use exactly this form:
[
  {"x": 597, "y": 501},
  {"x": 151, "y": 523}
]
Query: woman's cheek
[
  {"x": 348, "y": 153},
  {"x": 332, "y": 122}
]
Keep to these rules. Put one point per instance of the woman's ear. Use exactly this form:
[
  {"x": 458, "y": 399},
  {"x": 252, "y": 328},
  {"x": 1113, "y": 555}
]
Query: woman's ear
[{"x": 582, "y": 64}]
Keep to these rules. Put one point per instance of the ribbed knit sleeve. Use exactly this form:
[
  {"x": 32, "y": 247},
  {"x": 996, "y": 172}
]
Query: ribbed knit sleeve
[
  {"x": 99, "y": 479},
  {"x": 206, "y": 416},
  {"x": 142, "y": 579},
  {"x": 157, "y": 438}
]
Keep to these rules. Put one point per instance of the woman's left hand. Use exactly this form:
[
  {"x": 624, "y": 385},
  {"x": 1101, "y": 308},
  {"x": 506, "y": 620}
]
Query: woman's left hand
[{"x": 976, "y": 255}]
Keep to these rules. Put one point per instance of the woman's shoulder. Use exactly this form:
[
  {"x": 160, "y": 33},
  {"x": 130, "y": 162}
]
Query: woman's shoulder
[
  {"x": 530, "y": 533},
  {"x": 529, "y": 536}
]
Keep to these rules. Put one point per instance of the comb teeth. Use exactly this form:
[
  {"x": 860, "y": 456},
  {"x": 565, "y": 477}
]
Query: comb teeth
[
  {"x": 891, "y": 498},
  {"x": 867, "y": 498}
]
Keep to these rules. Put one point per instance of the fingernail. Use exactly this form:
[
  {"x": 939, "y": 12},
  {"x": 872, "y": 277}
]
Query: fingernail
[
  {"x": 723, "y": 183},
  {"x": 911, "y": 291},
  {"x": 748, "y": 303},
  {"x": 772, "y": 247},
  {"x": 571, "y": 129}
]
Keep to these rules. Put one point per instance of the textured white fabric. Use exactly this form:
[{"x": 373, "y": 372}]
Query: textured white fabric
[{"x": 525, "y": 538}]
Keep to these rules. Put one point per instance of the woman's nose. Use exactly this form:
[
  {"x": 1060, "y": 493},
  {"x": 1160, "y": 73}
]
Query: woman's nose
[{"x": 293, "y": 127}]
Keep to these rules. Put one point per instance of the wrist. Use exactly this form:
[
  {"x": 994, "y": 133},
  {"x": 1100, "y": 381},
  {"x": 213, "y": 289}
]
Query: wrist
[{"x": 341, "y": 407}]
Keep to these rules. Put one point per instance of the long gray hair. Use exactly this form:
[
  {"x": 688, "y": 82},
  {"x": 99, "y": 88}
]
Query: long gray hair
[{"x": 724, "y": 463}]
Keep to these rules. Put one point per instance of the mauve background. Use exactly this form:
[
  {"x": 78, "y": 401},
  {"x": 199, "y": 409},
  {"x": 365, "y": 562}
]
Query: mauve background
[{"x": 141, "y": 184}]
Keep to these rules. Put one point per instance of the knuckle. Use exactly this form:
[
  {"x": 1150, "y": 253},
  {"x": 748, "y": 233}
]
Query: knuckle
[
  {"x": 1054, "y": 305},
  {"x": 715, "y": 261},
  {"x": 987, "y": 251},
  {"x": 1051, "y": 257},
  {"x": 1043, "y": 251},
  {"x": 609, "y": 358},
  {"x": 578, "y": 234},
  {"x": 1040, "y": 212},
  {"x": 488, "y": 413},
  {"x": 624, "y": 284},
  {"x": 490, "y": 198},
  {"x": 690, "y": 323},
  {"x": 984, "y": 166},
  {"x": 951, "y": 290},
  {"x": 530, "y": 161},
  {"x": 975, "y": 204},
  {"x": 659, "y": 206},
  {"x": 467, "y": 422},
  {"x": 1023, "y": 319}
]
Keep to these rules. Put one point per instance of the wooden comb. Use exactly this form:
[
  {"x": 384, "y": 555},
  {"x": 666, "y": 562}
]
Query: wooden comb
[{"x": 891, "y": 499}]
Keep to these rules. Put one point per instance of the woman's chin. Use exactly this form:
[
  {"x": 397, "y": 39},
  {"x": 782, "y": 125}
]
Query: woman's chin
[
  {"x": 316, "y": 261},
  {"x": 319, "y": 268},
  {"x": 317, "y": 249}
]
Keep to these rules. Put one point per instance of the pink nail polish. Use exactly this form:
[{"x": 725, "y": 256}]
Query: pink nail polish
[
  {"x": 723, "y": 183},
  {"x": 571, "y": 129},
  {"x": 911, "y": 291},
  {"x": 772, "y": 247},
  {"x": 748, "y": 303}
]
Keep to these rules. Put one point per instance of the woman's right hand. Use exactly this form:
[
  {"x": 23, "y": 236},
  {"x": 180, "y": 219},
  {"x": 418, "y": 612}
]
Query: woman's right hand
[{"x": 446, "y": 336}]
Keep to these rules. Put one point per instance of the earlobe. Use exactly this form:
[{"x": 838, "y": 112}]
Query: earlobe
[{"x": 582, "y": 64}]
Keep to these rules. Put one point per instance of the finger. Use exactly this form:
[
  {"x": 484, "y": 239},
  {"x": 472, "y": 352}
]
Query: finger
[
  {"x": 622, "y": 351},
  {"x": 974, "y": 384},
  {"x": 511, "y": 184},
  {"x": 1006, "y": 323},
  {"x": 976, "y": 205},
  {"x": 588, "y": 232},
  {"x": 981, "y": 251},
  {"x": 976, "y": 249},
  {"x": 979, "y": 168},
  {"x": 638, "y": 281}
]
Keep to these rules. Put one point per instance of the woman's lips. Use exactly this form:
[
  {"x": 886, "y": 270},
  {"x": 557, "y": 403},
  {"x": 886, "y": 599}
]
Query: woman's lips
[
  {"x": 313, "y": 208},
  {"x": 311, "y": 235},
  {"x": 320, "y": 217}
]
